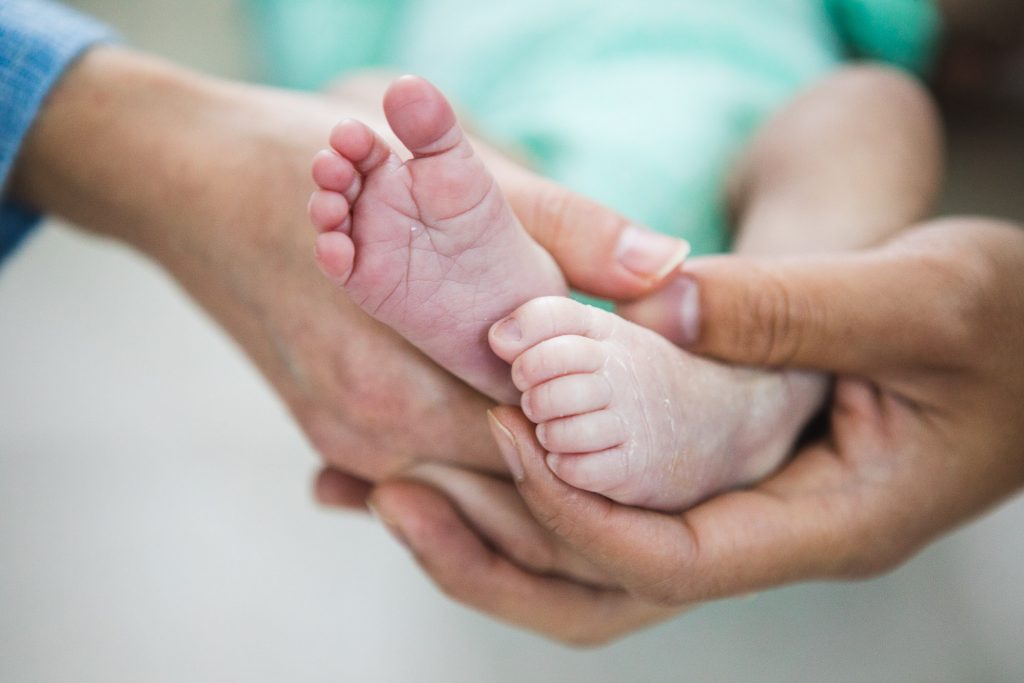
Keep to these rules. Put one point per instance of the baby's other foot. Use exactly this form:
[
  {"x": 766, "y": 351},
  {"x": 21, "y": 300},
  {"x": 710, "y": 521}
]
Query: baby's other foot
[
  {"x": 624, "y": 413},
  {"x": 428, "y": 246}
]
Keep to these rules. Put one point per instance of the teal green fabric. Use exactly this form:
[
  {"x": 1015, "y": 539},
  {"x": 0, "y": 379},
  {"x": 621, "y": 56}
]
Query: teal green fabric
[
  {"x": 904, "y": 33},
  {"x": 640, "y": 104}
]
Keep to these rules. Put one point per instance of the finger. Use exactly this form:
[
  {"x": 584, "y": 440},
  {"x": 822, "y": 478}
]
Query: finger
[
  {"x": 335, "y": 488},
  {"x": 637, "y": 548},
  {"x": 600, "y": 252},
  {"x": 670, "y": 310},
  {"x": 494, "y": 509},
  {"x": 733, "y": 544},
  {"x": 886, "y": 309},
  {"x": 467, "y": 570}
]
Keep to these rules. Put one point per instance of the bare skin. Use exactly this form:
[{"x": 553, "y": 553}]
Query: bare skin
[
  {"x": 417, "y": 251},
  {"x": 550, "y": 562},
  {"x": 209, "y": 179},
  {"x": 623, "y": 412},
  {"x": 430, "y": 247}
]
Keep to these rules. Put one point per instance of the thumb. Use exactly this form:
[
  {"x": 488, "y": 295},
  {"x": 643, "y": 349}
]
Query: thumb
[
  {"x": 600, "y": 252},
  {"x": 855, "y": 313}
]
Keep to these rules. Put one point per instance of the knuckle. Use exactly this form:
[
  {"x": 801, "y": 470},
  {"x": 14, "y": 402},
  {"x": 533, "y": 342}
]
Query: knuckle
[
  {"x": 966, "y": 273},
  {"x": 967, "y": 292},
  {"x": 775, "y": 315},
  {"x": 562, "y": 523},
  {"x": 663, "y": 591},
  {"x": 552, "y": 211}
]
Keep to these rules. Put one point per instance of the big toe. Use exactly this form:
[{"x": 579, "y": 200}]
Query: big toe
[{"x": 420, "y": 116}]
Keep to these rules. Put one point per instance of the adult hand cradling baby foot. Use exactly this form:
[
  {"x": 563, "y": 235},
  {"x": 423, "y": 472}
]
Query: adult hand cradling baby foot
[
  {"x": 923, "y": 334},
  {"x": 926, "y": 424},
  {"x": 926, "y": 430}
]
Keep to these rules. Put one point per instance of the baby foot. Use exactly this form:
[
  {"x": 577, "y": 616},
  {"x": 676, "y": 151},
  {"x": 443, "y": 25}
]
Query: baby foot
[
  {"x": 428, "y": 246},
  {"x": 624, "y": 413}
]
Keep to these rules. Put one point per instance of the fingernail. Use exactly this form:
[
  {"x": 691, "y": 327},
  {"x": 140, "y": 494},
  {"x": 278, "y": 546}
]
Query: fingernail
[
  {"x": 388, "y": 524},
  {"x": 508, "y": 330},
  {"x": 507, "y": 447},
  {"x": 649, "y": 254},
  {"x": 689, "y": 310}
]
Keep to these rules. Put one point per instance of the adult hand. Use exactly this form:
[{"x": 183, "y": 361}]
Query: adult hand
[
  {"x": 210, "y": 179},
  {"x": 926, "y": 431}
]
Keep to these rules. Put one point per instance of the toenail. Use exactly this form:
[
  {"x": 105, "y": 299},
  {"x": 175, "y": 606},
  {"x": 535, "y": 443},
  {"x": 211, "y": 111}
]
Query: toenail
[
  {"x": 508, "y": 330},
  {"x": 649, "y": 254}
]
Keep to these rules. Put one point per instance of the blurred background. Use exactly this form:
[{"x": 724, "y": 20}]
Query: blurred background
[{"x": 155, "y": 521}]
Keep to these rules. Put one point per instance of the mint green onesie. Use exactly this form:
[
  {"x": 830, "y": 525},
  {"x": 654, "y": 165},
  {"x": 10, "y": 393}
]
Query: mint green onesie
[{"x": 640, "y": 104}]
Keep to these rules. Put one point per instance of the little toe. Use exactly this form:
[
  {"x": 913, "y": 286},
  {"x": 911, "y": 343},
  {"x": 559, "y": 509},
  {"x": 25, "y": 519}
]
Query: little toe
[
  {"x": 565, "y": 355},
  {"x": 336, "y": 173},
  {"x": 604, "y": 472},
  {"x": 334, "y": 254},
  {"x": 356, "y": 142},
  {"x": 585, "y": 433},
  {"x": 327, "y": 210},
  {"x": 421, "y": 117},
  {"x": 566, "y": 396},
  {"x": 544, "y": 318}
]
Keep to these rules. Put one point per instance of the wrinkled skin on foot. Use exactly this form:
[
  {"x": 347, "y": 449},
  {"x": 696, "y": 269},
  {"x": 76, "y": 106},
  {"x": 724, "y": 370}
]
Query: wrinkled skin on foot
[
  {"x": 428, "y": 246},
  {"x": 624, "y": 413},
  {"x": 926, "y": 432}
]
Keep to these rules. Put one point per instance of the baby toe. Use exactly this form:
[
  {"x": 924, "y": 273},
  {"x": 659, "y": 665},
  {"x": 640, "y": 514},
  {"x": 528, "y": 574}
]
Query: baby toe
[
  {"x": 327, "y": 210},
  {"x": 544, "y": 318},
  {"x": 603, "y": 472},
  {"x": 334, "y": 254},
  {"x": 596, "y": 431},
  {"x": 357, "y": 143},
  {"x": 334, "y": 172},
  {"x": 566, "y": 396},
  {"x": 556, "y": 357}
]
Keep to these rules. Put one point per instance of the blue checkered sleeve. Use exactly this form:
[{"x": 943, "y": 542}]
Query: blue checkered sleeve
[{"x": 38, "y": 41}]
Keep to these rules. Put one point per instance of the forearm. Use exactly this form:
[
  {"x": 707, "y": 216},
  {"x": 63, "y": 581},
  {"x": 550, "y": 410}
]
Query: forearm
[
  {"x": 134, "y": 148},
  {"x": 211, "y": 179}
]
